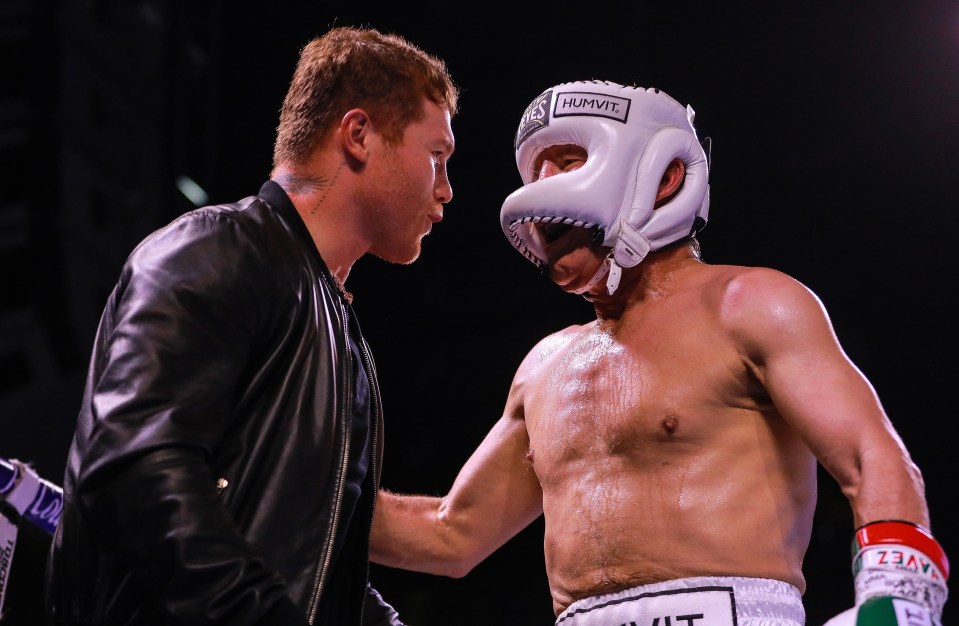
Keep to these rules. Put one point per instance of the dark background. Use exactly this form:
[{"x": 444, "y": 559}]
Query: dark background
[{"x": 834, "y": 127}]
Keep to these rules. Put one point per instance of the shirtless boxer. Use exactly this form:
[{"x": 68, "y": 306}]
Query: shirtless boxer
[{"x": 672, "y": 443}]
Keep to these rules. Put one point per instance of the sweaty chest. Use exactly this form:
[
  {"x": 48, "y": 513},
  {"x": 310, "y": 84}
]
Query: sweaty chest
[{"x": 628, "y": 394}]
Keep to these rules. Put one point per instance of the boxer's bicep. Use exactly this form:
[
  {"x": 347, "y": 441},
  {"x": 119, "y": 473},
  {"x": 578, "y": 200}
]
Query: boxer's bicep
[
  {"x": 496, "y": 494},
  {"x": 827, "y": 400}
]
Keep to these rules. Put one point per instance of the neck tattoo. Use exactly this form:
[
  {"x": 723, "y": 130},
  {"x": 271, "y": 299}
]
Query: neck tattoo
[
  {"x": 325, "y": 187},
  {"x": 303, "y": 185}
]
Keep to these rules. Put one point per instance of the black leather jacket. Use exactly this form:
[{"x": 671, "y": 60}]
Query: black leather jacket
[{"x": 205, "y": 477}]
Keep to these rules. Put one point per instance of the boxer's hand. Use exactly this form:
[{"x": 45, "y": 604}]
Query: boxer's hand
[
  {"x": 886, "y": 611},
  {"x": 900, "y": 573}
]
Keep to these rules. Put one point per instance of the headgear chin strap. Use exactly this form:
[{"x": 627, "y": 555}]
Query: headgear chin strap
[{"x": 631, "y": 135}]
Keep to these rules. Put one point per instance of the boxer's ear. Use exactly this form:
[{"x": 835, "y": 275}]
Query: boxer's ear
[{"x": 671, "y": 182}]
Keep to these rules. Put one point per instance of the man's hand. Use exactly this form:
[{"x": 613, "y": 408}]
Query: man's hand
[
  {"x": 900, "y": 573},
  {"x": 886, "y": 611}
]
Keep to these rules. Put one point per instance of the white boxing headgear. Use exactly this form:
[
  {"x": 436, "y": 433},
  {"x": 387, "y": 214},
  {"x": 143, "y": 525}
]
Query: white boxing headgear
[{"x": 630, "y": 134}]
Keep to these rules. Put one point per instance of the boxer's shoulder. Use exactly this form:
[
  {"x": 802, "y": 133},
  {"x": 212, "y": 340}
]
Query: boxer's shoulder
[{"x": 751, "y": 300}]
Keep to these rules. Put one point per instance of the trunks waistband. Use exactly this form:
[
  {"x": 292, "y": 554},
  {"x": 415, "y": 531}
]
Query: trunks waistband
[{"x": 713, "y": 600}]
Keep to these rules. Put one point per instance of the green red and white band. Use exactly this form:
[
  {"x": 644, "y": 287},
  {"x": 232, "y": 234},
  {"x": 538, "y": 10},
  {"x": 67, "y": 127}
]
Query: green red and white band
[
  {"x": 900, "y": 559},
  {"x": 921, "y": 553}
]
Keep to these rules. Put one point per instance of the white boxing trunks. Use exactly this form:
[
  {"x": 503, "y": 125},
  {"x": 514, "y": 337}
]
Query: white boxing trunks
[{"x": 700, "y": 601}]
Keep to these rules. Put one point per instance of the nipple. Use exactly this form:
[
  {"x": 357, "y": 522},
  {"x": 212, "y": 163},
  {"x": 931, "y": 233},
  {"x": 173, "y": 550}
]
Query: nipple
[{"x": 670, "y": 423}]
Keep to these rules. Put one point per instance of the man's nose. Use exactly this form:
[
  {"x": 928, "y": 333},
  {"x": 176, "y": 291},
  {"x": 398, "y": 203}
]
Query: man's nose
[{"x": 444, "y": 190}]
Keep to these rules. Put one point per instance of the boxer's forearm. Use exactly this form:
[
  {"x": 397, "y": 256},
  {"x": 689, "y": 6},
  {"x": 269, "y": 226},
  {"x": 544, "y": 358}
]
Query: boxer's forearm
[
  {"x": 876, "y": 473},
  {"x": 414, "y": 533},
  {"x": 495, "y": 495},
  {"x": 890, "y": 486}
]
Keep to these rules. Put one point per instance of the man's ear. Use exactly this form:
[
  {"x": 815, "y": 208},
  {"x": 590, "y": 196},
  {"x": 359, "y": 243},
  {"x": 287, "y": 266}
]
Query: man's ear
[
  {"x": 354, "y": 134},
  {"x": 672, "y": 180}
]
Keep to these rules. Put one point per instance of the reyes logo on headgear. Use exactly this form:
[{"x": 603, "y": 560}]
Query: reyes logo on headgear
[
  {"x": 592, "y": 104},
  {"x": 534, "y": 118}
]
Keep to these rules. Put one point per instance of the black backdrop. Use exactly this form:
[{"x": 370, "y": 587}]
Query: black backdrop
[{"x": 832, "y": 123}]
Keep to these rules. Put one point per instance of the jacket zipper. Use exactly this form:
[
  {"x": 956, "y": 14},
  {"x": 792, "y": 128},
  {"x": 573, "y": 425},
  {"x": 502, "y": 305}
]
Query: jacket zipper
[
  {"x": 377, "y": 416},
  {"x": 320, "y": 580}
]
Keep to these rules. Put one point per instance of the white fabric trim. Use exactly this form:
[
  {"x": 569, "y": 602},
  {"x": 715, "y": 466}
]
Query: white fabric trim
[{"x": 712, "y": 600}]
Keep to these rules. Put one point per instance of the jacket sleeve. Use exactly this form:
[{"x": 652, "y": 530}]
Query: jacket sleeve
[
  {"x": 178, "y": 332},
  {"x": 377, "y": 612}
]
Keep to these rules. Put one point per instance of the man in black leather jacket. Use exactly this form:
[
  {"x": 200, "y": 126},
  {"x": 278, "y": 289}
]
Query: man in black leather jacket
[{"x": 227, "y": 454}]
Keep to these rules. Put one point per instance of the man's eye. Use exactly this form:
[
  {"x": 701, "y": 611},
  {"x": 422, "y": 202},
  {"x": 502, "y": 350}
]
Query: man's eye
[{"x": 553, "y": 231}]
